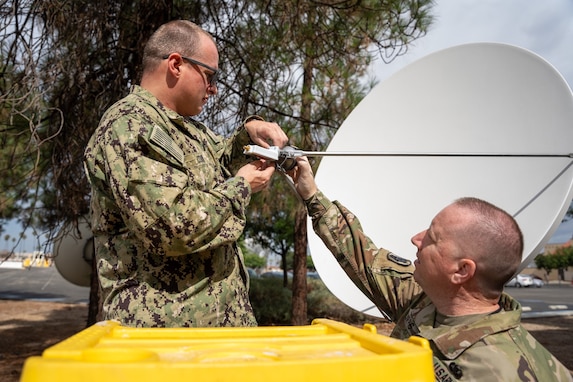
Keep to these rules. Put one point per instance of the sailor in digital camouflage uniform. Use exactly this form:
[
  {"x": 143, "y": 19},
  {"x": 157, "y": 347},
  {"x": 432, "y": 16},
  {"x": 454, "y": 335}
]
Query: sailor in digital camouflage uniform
[
  {"x": 473, "y": 327},
  {"x": 166, "y": 208}
]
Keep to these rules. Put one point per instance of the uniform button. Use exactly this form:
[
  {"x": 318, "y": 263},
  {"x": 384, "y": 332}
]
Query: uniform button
[{"x": 456, "y": 370}]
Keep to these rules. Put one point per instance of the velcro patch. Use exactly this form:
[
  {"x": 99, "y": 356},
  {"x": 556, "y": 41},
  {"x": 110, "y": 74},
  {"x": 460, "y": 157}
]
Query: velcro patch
[
  {"x": 163, "y": 140},
  {"x": 398, "y": 260}
]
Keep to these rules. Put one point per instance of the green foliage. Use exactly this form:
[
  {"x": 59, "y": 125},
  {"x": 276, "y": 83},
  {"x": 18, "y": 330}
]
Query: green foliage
[
  {"x": 561, "y": 258},
  {"x": 569, "y": 213},
  {"x": 271, "y": 220},
  {"x": 290, "y": 261},
  {"x": 322, "y": 303},
  {"x": 272, "y": 303},
  {"x": 16, "y": 165},
  {"x": 254, "y": 261},
  {"x": 310, "y": 264},
  {"x": 20, "y": 156}
]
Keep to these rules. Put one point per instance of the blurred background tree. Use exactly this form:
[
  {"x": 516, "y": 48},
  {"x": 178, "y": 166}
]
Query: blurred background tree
[{"x": 560, "y": 259}]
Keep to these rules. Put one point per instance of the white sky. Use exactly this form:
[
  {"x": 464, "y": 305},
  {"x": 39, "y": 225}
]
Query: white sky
[{"x": 544, "y": 27}]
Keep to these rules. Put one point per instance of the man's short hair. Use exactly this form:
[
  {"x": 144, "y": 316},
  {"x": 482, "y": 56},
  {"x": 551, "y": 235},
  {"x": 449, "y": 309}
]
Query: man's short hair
[
  {"x": 180, "y": 36},
  {"x": 496, "y": 242}
]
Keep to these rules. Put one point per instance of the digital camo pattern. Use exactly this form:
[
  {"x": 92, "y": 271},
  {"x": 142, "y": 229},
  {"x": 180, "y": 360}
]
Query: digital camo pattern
[
  {"x": 166, "y": 215},
  {"x": 487, "y": 347}
]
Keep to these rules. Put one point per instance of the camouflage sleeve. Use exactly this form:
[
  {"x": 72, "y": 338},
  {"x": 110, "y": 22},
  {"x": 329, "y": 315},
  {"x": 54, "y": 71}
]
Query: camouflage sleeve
[
  {"x": 173, "y": 208},
  {"x": 230, "y": 150},
  {"x": 383, "y": 277}
]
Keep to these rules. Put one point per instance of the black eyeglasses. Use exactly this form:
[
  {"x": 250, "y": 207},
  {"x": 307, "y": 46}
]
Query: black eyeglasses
[{"x": 211, "y": 77}]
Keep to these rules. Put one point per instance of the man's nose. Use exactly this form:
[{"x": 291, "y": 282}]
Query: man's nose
[{"x": 417, "y": 238}]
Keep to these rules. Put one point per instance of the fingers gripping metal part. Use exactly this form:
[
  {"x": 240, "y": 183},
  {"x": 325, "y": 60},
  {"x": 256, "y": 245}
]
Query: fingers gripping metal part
[
  {"x": 284, "y": 158},
  {"x": 287, "y": 159}
]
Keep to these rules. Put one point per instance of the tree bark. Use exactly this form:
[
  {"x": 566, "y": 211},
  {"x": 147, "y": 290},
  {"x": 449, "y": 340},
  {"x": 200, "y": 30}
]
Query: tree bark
[{"x": 299, "y": 288}]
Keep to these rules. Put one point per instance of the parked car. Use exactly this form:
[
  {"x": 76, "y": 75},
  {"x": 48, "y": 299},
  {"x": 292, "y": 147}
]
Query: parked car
[
  {"x": 520, "y": 280},
  {"x": 252, "y": 273},
  {"x": 537, "y": 281}
]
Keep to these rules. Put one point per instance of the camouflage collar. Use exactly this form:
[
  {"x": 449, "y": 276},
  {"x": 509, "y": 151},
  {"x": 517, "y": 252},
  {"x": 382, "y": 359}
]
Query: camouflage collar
[
  {"x": 451, "y": 341},
  {"x": 187, "y": 125},
  {"x": 172, "y": 115}
]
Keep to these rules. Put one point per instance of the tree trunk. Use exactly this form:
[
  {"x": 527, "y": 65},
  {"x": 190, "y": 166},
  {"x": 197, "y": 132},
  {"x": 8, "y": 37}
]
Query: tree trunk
[
  {"x": 285, "y": 270},
  {"x": 299, "y": 305},
  {"x": 94, "y": 308}
]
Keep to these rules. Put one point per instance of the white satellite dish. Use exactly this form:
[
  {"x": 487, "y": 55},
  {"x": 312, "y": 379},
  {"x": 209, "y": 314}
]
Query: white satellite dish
[
  {"x": 476, "y": 98},
  {"x": 74, "y": 251}
]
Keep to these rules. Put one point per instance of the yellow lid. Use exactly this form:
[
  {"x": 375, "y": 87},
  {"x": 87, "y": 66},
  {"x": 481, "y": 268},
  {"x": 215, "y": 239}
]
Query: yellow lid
[{"x": 324, "y": 351}]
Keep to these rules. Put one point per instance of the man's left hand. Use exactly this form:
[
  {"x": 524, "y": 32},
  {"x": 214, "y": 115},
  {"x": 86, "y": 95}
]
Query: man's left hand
[{"x": 266, "y": 134}]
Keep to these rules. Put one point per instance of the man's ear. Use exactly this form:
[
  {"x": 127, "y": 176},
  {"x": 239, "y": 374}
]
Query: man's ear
[
  {"x": 466, "y": 270},
  {"x": 174, "y": 61}
]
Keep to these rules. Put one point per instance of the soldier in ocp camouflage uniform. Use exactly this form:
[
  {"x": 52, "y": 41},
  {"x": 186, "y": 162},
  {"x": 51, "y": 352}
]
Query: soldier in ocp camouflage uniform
[
  {"x": 454, "y": 296},
  {"x": 166, "y": 208}
]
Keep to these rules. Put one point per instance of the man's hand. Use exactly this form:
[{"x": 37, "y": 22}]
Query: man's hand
[
  {"x": 266, "y": 134},
  {"x": 303, "y": 178},
  {"x": 258, "y": 174}
]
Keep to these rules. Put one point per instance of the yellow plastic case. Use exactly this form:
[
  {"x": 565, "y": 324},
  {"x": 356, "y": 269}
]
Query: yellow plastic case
[{"x": 324, "y": 351}]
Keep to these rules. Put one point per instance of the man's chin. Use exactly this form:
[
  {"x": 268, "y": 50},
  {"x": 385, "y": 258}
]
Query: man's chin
[{"x": 196, "y": 112}]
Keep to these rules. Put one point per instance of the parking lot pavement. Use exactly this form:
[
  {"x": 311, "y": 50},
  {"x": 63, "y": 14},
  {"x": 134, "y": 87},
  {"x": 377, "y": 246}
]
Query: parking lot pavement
[
  {"x": 40, "y": 284},
  {"x": 554, "y": 299}
]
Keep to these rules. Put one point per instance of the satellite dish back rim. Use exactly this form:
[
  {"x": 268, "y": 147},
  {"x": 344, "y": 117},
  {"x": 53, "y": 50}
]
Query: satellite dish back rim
[{"x": 71, "y": 253}]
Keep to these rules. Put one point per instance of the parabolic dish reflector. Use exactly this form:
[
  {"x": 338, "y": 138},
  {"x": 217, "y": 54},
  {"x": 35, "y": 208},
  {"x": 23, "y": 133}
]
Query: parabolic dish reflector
[
  {"x": 73, "y": 252},
  {"x": 481, "y": 98}
]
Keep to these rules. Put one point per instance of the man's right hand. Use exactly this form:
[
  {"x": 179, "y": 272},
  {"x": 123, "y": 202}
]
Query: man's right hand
[{"x": 258, "y": 174}]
